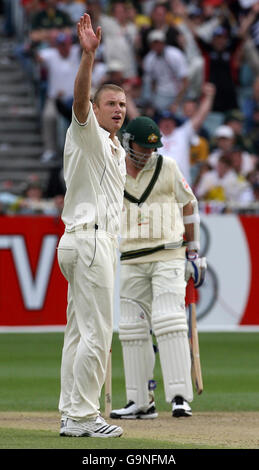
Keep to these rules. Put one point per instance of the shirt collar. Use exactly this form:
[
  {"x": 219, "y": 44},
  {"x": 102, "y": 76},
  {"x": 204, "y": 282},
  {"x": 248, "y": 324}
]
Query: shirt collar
[{"x": 107, "y": 135}]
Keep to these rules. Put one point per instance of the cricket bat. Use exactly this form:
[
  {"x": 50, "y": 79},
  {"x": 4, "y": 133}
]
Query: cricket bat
[
  {"x": 193, "y": 337},
  {"x": 108, "y": 387}
]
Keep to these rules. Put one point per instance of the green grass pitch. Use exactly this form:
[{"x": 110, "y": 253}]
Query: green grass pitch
[{"x": 30, "y": 371}]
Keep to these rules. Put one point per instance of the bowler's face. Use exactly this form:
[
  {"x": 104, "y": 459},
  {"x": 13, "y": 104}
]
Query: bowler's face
[{"x": 110, "y": 110}]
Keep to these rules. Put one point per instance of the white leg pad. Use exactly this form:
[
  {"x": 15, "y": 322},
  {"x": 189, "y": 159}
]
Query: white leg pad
[
  {"x": 138, "y": 353},
  {"x": 170, "y": 328}
]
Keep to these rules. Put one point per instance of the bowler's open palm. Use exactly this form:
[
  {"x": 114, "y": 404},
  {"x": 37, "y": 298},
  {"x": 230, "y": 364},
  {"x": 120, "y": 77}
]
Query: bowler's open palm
[{"x": 89, "y": 41}]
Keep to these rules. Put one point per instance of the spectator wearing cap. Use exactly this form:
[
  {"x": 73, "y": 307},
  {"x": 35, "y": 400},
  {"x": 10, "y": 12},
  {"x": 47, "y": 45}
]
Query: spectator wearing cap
[
  {"x": 177, "y": 138},
  {"x": 115, "y": 73},
  {"x": 61, "y": 62},
  {"x": 165, "y": 73},
  {"x": 222, "y": 142}
]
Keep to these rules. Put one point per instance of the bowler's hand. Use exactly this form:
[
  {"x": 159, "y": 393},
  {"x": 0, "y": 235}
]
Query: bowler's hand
[{"x": 89, "y": 41}]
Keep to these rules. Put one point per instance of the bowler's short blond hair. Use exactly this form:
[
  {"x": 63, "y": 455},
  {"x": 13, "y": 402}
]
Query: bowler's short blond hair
[{"x": 104, "y": 87}]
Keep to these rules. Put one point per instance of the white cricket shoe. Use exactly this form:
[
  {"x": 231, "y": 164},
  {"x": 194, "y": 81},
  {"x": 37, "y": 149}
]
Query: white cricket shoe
[
  {"x": 96, "y": 427},
  {"x": 63, "y": 423},
  {"x": 131, "y": 411},
  {"x": 181, "y": 407}
]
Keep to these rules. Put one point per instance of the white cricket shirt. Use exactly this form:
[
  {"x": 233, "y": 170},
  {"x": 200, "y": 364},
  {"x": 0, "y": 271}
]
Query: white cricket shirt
[
  {"x": 159, "y": 219},
  {"x": 94, "y": 173}
]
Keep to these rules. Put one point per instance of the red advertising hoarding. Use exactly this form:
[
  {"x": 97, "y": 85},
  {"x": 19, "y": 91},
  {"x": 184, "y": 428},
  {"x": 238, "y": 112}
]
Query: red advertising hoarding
[
  {"x": 33, "y": 291},
  {"x": 32, "y": 288}
]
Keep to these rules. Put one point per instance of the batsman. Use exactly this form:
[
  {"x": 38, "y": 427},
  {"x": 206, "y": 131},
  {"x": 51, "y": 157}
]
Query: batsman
[{"x": 160, "y": 212}]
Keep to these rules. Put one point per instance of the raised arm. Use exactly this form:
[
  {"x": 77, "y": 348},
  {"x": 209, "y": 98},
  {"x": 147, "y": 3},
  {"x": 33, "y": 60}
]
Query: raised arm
[
  {"x": 89, "y": 42},
  {"x": 204, "y": 107}
]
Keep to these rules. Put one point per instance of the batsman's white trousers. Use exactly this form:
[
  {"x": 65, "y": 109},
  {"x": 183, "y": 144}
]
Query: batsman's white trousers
[
  {"x": 159, "y": 289},
  {"x": 87, "y": 259}
]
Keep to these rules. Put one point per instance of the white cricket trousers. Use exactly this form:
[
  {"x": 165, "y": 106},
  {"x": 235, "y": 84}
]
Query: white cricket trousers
[
  {"x": 87, "y": 260},
  {"x": 158, "y": 291}
]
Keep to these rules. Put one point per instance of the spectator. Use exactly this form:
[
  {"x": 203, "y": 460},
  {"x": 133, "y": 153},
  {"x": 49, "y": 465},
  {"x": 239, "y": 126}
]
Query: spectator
[
  {"x": 60, "y": 61},
  {"x": 55, "y": 186},
  {"x": 219, "y": 57},
  {"x": 165, "y": 73},
  {"x": 188, "y": 44},
  {"x": 224, "y": 139},
  {"x": 99, "y": 69},
  {"x": 8, "y": 202},
  {"x": 253, "y": 133},
  {"x": 189, "y": 108},
  {"x": 251, "y": 21},
  {"x": 177, "y": 140},
  {"x": 30, "y": 8},
  {"x": 222, "y": 183},
  {"x": 118, "y": 35},
  {"x": 222, "y": 55},
  {"x": 34, "y": 203},
  {"x": 242, "y": 162},
  {"x": 132, "y": 89},
  {"x": 73, "y": 9},
  {"x": 120, "y": 43},
  {"x": 159, "y": 22},
  {"x": 199, "y": 150},
  {"x": 250, "y": 104},
  {"x": 46, "y": 23},
  {"x": 253, "y": 179},
  {"x": 135, "y": 14},
  {"x": 255, "y": 188},
  {"x": 115, "y": 73},
  {"x": 235, "y": 120}
]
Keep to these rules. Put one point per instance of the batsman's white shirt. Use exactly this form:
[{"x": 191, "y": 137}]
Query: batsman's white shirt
[
  {"x": 159, "y": 219},
  {"x": 94, "y": 173}
]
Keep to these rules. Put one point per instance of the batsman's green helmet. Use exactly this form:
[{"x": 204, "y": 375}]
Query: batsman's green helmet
[{"x": 144, "y": 131}]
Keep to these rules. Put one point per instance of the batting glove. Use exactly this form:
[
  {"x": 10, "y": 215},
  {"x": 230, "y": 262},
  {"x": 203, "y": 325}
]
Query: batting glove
[{"x": 195, "y": 268}]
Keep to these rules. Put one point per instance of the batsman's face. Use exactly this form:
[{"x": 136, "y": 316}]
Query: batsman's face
[
  {"x": 110, "y": 110},
  {"x": 141, "y": 154}
]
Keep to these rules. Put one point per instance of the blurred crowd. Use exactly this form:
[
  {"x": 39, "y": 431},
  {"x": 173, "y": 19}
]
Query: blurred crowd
[{"x": 193, "y": 66}]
